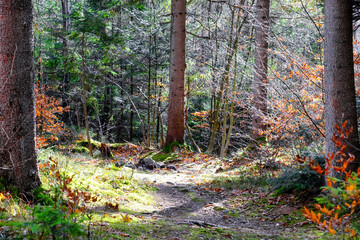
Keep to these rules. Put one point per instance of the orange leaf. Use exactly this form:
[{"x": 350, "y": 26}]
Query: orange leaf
[
  {"x": 332, "y": 231},
  {"x": 344, "y": 124},
  {"x": 126, "y": 218},
  {"x": 317, "y": 168},
  {"x": 350, "y": 188},
  {"x": 352, "y": 234}
]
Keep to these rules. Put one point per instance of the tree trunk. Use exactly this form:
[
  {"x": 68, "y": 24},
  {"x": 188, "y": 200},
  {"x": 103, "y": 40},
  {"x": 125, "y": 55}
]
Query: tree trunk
[
  {"x": 219, "y": 100},
  {"x": 261, "y": 67},
  {"x": 340, "y": 104},
  {"x": 65, "y": 7},
  {"x": 18, "y": 166},
  {"x": 84, "y": 92},
  {"x": 176, "y": 115},
  {"x": 107, "y": 111},
  {"x": 132, "y": 107},
  {"x": 196, "y": 147},
  {"x": 148, "y": 134}
]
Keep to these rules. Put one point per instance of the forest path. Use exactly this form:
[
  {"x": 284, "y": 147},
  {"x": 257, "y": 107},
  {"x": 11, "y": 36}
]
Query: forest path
[{"x": 183, "y": 198}]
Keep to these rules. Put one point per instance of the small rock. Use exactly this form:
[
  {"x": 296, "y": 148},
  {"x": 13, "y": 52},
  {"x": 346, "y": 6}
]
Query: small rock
[
  {"x": 171, "y": 167},
  {"x": 146, "y": 163},
  {"x": 119, "y": 164},
  {"x": 220, "y": 169},
  {"x": 159, "y": 165},
  {"x": 149, "y": 161},
  {"x": 130, "y": 165}
]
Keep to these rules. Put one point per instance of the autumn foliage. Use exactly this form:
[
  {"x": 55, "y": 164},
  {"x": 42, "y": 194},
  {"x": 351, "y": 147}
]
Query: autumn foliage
[
  {"x": 48, "y": 124},
  {"x": 343, "y": 194}
]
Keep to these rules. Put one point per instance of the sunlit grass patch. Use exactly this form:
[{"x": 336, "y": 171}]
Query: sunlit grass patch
[{"x": 101, "y": 179}]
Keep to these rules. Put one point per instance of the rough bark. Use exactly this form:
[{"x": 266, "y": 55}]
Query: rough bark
[
  {"x": 340, "y": 103},
  {"x": 176, "y": 114},
  {"x": 18, "y": 165},
  {"x": 261, "y": 67}
]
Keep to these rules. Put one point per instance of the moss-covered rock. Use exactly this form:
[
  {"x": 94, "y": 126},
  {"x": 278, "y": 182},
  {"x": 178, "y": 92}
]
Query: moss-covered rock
[
  {"x": 85, "y": 143},
  {"x": 80, "y": 149},
  {"x": 164, "y": 157},
  {"x": 118, "y": 145}
]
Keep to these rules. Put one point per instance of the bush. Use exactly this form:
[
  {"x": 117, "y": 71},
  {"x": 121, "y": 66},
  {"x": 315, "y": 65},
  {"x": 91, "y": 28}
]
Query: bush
[
  {"x": 52, "y": 221},
  {"x": 299, "y": 179}
]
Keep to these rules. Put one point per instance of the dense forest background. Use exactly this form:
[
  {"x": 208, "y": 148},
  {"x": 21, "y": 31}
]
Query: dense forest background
[{"x": 125, "y": 49}]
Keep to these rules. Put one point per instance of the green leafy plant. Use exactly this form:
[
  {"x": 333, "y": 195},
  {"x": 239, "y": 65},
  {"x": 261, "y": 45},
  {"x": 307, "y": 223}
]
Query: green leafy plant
[
  {"x": 53, "y": 221},
  {"x": 63, "y": 211}
]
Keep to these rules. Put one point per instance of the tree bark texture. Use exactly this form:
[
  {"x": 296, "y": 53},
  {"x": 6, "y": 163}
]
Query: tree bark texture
[
  {"x": 176, "y": 114},
  {"x": 18, "y": 165},
  {"x": 340, "y": 103},
  {"x": 261, "y": 67}
]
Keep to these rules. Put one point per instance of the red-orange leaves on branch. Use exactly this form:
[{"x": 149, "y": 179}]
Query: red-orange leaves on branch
[
  {"x": 344, "y": 191},
  {"x": 48, "y": 124}
]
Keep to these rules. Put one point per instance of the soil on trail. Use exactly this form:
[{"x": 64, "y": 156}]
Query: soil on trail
[{"x": 182, "y": 199}]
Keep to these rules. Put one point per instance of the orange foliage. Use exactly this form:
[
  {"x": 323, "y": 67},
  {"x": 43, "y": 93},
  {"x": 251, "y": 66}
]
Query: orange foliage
[
  {"x": 48, "y": 124},
  {"x": 349, "y": 195},
  {"x": 303, "y": 107}
]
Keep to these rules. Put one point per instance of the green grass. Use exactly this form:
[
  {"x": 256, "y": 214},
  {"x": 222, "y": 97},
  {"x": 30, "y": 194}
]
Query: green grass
[{"x": 97, "y": 177}]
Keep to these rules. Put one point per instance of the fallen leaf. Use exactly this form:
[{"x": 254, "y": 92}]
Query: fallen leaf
[{"x": 126, "y": 218}]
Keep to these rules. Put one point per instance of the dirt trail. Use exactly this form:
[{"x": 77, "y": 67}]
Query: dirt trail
[{"x": 180, "y": 201}]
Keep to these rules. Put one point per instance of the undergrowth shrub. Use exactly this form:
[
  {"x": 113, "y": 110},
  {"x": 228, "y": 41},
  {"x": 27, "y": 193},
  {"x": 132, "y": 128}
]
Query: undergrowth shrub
[
  {"x": 300, "y": 179},
  {"x": 60, "y": 212},
  {"x": 54, "y": 222},
  {"x": 339, "y": 206},
  {"x": 48, "y": 125}
]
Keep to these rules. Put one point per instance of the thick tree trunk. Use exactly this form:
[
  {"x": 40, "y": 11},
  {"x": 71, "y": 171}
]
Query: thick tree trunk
[
  {"x": 261, "y": 67},
  {"x": 176, "y": 114},
  {"x": 340, "y": 104},
  {"x": 18, "y": 164}
]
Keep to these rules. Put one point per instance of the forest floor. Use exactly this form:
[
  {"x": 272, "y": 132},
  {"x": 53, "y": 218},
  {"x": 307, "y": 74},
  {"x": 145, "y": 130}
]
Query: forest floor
[
  {"x": 204, "y": 198},
  {"x": 195, "y": 202}
]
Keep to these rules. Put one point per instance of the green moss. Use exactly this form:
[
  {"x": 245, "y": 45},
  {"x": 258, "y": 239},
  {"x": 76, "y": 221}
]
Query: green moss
[
  {"x": 233, "y": 213},
  {"x": 164, "y": 157},
  {"x": 85, "y": 143},
  {"x": 171, "y": 147},
  {"x": 80, "y": 149},
  {"x": 197, "y": 199},
  {"x": 118, "y": 145}
]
